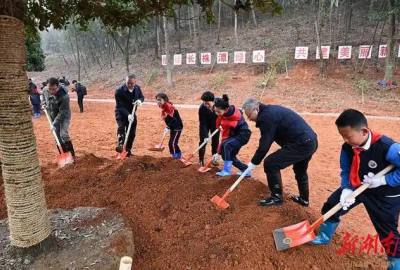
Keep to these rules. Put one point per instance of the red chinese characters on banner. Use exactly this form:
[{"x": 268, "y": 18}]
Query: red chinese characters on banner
[
  {"x": 365, "y": 52},
  {"x": 344, "y": 52},
  {"x": 301, "y": 53},
  {"x": 205, "y": 58},
  {"x": 222, "y": 57},
  {"x": 239, "y": 57},
  {"x": 177, "y": 59},
  {"x": 382, "y": 51},
  {"x": 163, "y": 60},
  {"x": 259, "y": 56},
  {"x": 325, "y": 52},
  {"x": 190, "y": 58},
  {"x": 349, "y": 245}
]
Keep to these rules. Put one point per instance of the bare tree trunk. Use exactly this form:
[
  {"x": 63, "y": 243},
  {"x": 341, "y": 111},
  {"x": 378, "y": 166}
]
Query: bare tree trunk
[
  {"x": 28, "y": 219},
  {"x": 169, "y": 60},
  {"x": 196, "y": 33},
  {"x": 179, "y": 30},
  {"x": 390, "y": 56},
  {"x": 189, "y": 22},
  {"x": 109, "y": 51},
  {"x": 317, "y": 31},
  {"x": 77, "y": 52},
  {"x": 127, "y": 52},
  {"x": 235, "y": 26},
  {"x": 348, "y": 14},
  {"x": 253, "y": 13},
  {"x": 219, "y": 21}
]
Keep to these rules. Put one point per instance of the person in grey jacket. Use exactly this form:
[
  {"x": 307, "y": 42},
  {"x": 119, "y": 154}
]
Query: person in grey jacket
[{"x": 60, "y": 113}]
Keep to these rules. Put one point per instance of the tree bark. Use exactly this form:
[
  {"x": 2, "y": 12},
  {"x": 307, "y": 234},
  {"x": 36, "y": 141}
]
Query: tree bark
[
  {"x": 219, "y": 21},
  {"x": 235, "y": 26},
  {"x": 253, "y": 13},
  {"x": 169, "y": 60},
  {"x": 28, "y": 220},
  {"x": 77, "y": 52},
  {"x": 390, "y": 57}
]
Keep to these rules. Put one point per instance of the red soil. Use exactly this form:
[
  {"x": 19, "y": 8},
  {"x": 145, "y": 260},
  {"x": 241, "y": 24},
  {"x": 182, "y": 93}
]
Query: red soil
[{"x": 174, "y": 224}]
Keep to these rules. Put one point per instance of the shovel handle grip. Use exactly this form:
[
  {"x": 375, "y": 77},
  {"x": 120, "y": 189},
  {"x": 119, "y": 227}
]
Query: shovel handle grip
[{"x": 353, "y": 195}]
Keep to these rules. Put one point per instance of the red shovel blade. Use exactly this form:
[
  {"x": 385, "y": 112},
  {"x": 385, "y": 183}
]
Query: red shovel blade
[
  {"x": 186, "y": 162},
  {"x": 219, "y": 202},
  {"x": 294, "y": 235},
  {"x": 64, "y": 159},
  {"x": 204, "y": 169},
  {"x": 157, "y": 148}
]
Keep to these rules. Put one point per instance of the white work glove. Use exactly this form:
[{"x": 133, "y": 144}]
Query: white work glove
[
  {"x": 344, "y": 201},
  {"x": 166, "y": 130},
  {"x": 206, "y": 140},
  {"x": 215, "y": 158},
  {"x": 138, "y": 102},
  {"x": 374, "y": 181},
  {"x": 130, "y": 117},
  {"x": 250, "y": 166}
]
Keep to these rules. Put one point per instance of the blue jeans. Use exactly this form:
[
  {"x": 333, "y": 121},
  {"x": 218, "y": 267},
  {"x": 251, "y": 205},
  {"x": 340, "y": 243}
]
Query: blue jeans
[{"x": 229, "y": 149}]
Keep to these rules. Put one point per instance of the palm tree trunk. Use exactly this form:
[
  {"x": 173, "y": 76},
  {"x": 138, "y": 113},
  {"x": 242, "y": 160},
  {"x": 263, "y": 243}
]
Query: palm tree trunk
[{"x": 26, "y": 205}]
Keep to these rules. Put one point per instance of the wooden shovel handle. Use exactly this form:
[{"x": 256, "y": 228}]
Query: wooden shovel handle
[{"x": 355, "y": 193}]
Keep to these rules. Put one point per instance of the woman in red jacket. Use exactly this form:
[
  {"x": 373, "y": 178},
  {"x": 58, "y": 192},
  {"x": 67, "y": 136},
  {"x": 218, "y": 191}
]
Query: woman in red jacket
[{"x": 235, "y": 133}]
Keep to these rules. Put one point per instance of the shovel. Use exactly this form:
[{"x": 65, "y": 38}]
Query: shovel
[
  {"x": 206, "y": 167},
  {"x": 124, "y": 153},
  {"x": 221, "y": 201},
  {"x": 303, "y": 232},
  {"x": 186, "y": 161},
  {"x": 159, "y": 147},
  {"x": 64, "y": 158}
]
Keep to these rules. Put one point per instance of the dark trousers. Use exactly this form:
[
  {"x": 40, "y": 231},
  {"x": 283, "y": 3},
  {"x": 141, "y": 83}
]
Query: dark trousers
[
  {"x": 296, "y": 154},
  {"x": 121, "y": 131},
  {"x": 36, "y": 108},
  {"x": 383, "y": 212},
  {"x": 204, "y": 133},
  {"x": 80, "y": 102},
  {"x": 229, "y": 149},
  {"x": 174, "y": 141}
]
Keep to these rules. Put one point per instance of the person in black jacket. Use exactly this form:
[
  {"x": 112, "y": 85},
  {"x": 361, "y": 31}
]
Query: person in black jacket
[
  {"x": 80, "y": 90},
  {"x": 60, "y": 114},
  {"x": 174, "y": 123},
  {"x": 298, "y": 143},
  {"x": 34, "y": 96},
  {"x": 125, "y": 97},
  {"x": 207, "y": 125}
]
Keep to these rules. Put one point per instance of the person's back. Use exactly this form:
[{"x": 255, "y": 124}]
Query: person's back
[
  {"x": 59, "y": 105},
  {"x": 289, "y": 126}
]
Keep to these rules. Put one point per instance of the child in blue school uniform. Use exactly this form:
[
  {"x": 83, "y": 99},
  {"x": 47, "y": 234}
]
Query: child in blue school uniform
[{"x": 365, "y": 153}]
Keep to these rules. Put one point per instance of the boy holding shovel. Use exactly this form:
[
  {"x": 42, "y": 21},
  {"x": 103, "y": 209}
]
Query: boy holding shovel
[{"x": 363, "y": 154}]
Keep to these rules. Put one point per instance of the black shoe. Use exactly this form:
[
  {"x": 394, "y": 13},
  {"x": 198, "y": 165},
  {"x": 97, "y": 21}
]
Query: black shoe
[
  {"x": 119, "y": 148},
  {"x": 273, "y": 200},
  {"x": 300, "y": 200},
  {"x": 129, "y": 154}
]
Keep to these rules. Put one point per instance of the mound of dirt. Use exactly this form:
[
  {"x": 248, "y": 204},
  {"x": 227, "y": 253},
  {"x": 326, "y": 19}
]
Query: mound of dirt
[{"x": 174, "y": 224}]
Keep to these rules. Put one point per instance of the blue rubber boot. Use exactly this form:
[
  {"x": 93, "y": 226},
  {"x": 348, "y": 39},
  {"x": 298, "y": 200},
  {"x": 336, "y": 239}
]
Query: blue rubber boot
[
  {"x": 177, "y": 155},
  {"x": 325, "y": 234},
  {"x": 394, "y": 263},
  {"x": 226, "y": 171}
]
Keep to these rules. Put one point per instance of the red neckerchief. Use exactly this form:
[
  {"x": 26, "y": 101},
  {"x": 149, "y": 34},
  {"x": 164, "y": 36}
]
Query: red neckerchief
[
  {"x": 355, "y": 180},
  {"x": 167, "y": 109}
]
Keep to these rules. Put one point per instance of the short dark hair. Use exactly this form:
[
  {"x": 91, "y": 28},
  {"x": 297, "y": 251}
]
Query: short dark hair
[
  {"x": 163, "y": 96},
  {"x": 207, "y": 96},
  {"x": 131, "y": 76},
  {"x": 222, "y": 103},
  {"x": 74, "y": 81},
  {"x": 351, "y": 118},
  {"x": 53, "y": 81}
]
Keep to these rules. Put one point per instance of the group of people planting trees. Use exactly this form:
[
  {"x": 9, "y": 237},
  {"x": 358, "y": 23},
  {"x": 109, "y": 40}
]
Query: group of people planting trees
[{"x": 364, "y": 152}]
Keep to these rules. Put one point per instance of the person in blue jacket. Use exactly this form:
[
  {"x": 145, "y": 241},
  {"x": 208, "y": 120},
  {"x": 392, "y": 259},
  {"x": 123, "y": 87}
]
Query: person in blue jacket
[{"x": 365, "y": 153}]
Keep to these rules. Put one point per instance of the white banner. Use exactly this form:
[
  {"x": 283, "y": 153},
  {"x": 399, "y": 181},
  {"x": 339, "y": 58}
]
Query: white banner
[
  {"x": 344, "y": 52},
  {"x": 190, "y": 58},
  {"x": 177, "y": 59},
  {"x": 205, "y": 58},
  {"x": 222, "y": 57},
  {"x": 163, "y": 60},
  {"x": 259, "y": 56},
  {"x": 239, "y": 57},
  {"x": 365, "y": 52},
  {"x": 301, "y": 53},
  {"x": 382, "y": 51},
  {"x": 325, "y": 52}
]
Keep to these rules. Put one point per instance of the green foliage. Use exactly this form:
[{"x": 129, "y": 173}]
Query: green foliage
[
  {"x": 219, "y": 80},
  {"x": 34, "y": 53},
  {"x": 362, "y": 86}
]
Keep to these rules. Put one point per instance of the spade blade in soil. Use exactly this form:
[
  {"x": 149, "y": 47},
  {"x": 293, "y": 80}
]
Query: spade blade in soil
[
  {"x": 186, "y": 162},
  {"x": 204, "y": 169},
  {"x": 157, "y": 148},
  {"x": 294, "y": 235},
  {"x": 64, "y": 159},
  {"x": 219, "y": 202}
]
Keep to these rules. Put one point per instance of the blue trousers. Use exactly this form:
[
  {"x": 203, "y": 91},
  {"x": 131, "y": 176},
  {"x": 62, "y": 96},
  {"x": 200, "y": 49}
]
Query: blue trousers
[
  {"x": 229, "y": 149},
  {"x": 382, "y": 210}
]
